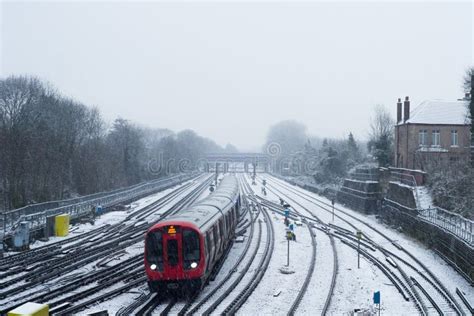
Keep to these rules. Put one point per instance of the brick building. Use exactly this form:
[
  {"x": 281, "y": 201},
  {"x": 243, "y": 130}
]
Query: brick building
[{"x": 435, "y": 131}]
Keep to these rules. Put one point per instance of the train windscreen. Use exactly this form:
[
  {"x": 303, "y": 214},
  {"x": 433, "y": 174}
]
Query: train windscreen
[
  {"x": 173, "y": 252},
  {"x": 154, "y": 249},
  {"x": 191, "y": 249}
]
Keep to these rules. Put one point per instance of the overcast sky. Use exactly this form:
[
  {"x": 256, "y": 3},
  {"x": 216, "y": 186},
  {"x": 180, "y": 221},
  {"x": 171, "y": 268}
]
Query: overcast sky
[{"x": 229, "y": 70}]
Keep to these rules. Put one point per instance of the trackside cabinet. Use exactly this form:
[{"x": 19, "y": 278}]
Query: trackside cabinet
[
  {"x": 61, "y": 227},
  {"x": 21, "y": 238},
  {"x": 30, "y": 309}
]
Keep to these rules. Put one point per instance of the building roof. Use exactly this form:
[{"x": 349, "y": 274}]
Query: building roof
[{"x": 440, "y": 112}]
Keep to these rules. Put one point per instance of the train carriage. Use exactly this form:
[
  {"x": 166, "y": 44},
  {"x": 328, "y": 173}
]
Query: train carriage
[{"x": 181, "y": 251}]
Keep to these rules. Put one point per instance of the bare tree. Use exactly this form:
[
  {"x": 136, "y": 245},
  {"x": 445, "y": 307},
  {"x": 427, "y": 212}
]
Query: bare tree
[
  {"x": 467, "y": 82},
  {"x": 18, "y": 97},
  {"x": 52, "y": 147},
  {"x": 381, "y": 136}
]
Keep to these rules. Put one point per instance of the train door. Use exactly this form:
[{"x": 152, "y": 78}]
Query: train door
[
  {"x": 215, "y": 234},
  {"x": 228, "y": 224},
  {"x": 210, "y": 250},
  {"x": 173, "y": 260},
  {"x": 222, "y": 233}
]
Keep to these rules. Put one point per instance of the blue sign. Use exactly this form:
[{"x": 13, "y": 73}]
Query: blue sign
[
  {"x": 98, "y": 210},
  {"x": 291, "y": 227},
  {"x": 377, "y": 297},
  {"x": 287, "y": 212}
]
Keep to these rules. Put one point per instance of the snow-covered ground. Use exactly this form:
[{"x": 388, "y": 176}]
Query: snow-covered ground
[
  {"x": 276, "y": 292},
  {"x": 372, "y": 280},
  {"x": 424, "y": 198}
]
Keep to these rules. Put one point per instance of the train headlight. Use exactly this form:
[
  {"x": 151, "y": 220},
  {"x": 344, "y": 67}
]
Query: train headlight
[
  {"x": 153, "y": 267},
  {"x": 194, "y": 265}
]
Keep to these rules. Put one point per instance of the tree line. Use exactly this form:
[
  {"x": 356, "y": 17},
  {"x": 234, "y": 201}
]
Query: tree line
[
  {"x": 326, "y": 160},
  {"x": 54, "y": 147}
]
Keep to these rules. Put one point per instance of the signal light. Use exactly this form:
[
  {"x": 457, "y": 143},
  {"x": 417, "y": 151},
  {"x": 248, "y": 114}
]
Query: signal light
[{"x": 171, "y": 230}]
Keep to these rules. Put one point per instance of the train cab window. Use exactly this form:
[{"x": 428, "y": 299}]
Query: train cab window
[
  {"x": 154, "y": 249},
  {"x": 191, "y": 248},
  {"x": 172, "y": 252}
]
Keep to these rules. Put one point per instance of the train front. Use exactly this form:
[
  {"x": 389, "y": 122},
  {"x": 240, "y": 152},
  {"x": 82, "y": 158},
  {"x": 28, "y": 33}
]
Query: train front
[{"x": 174, "y": 256}]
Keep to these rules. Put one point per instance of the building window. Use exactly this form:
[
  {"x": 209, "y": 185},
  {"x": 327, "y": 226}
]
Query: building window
[
  {"x": 435, "y": 138},
  {"x": 454, "y": 138},
  {"x": 423, "y": 137}
]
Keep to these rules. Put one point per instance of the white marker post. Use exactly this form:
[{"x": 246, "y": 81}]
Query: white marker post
[{"x": 288, "y": 237}]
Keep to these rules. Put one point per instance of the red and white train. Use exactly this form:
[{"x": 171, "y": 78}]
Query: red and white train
[{"x": 182, "y": 250}]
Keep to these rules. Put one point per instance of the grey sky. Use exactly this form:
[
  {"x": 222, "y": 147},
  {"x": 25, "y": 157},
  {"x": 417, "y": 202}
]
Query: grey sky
[{"x": 229, "y": 70}]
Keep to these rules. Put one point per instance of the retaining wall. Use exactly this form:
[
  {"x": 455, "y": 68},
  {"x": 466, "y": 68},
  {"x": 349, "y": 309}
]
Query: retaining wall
[
  {"x": 363, "y": 196},
  {"x": 452, "y": 249}
]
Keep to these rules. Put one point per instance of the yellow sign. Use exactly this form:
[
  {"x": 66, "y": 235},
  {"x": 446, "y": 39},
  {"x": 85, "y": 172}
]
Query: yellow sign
[{"x": 171, "y": 230}]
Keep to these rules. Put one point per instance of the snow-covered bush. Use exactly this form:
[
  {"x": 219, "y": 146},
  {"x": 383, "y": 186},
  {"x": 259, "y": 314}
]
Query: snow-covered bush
[{"x": 452, "y": 187}]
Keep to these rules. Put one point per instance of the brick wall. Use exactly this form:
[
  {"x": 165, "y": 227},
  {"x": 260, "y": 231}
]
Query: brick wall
[{"x": 407, "y": 148}]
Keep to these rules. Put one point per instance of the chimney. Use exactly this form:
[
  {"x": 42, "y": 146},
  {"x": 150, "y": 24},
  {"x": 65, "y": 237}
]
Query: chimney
[
  {"x": 406, "y": 109},
  {"x": 399, "y": 110}
]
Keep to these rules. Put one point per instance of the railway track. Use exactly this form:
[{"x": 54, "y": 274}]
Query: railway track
[
  {"x": 118, "y": 237},
  {"x": 317, "y": 220},
  {"x": 31, "y": 260},
  {"x": 347, "y": 239},
  {"x": 309, "y": 274},
  {"x": 241, "y": 297},
  {"x": 203, "y": 300},
  {"x": 182, "y": 203},
  {"x": 307, "y": 280},
  {"x": 424, "y": 300}
]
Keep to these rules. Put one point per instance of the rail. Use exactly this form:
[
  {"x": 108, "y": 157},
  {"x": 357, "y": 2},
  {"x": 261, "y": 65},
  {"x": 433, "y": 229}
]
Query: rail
[{"x": 37, "y": 214}]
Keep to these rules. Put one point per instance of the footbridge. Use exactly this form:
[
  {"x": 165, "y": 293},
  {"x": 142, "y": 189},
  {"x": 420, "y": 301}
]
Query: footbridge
[{"x": 237, "y": 162}]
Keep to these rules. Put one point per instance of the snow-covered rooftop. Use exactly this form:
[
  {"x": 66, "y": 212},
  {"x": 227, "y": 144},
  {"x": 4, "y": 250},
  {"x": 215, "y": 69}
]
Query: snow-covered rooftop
[{"x": 440, "y": 112}]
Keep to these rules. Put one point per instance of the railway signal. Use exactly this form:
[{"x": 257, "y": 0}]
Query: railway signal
[{"x": 377, "y": 299}]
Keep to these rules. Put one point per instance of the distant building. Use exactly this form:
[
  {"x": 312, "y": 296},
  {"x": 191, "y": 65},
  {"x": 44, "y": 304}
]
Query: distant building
[{"x": 435, "y": 131}]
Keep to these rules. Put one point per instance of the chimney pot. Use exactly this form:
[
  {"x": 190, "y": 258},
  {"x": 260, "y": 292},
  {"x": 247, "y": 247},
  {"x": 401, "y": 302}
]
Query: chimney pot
[
  {"x": 399, "y": 110},
  {"x": 406, "y": 109}
]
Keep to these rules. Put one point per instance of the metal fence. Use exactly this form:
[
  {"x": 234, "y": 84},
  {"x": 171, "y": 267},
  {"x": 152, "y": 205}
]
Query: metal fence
[
  {"x": 364, "y": 176},
  {"x": 37, "y": 214},
  {"x": 452, "y": 222},
  {"x": 459, "y": 226}
]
